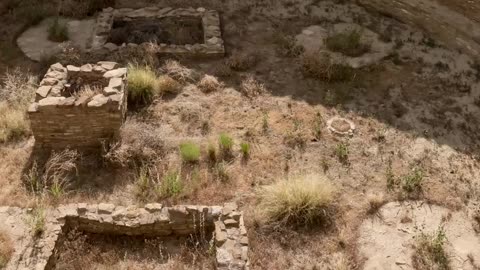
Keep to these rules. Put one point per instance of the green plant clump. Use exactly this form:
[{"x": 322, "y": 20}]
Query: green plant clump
[
  {"x": 413, "y": 181},
  {"x": 245, "y": 148},
  {"x": 171, "y": 185},
  {"x": 143, "y": 84},
  {"x": 430, "y": 252},
  {"x": 190, "y": 152},
  {"x": 226, "y": 143}
]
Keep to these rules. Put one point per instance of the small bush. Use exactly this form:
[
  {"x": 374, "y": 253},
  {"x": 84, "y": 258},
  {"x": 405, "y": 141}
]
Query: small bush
[
  {"x": 37, "y": 221},
  {"x": 168, "y": 85},
  {"x": 430, "y": 252},
  {"x": 317, "y": 126},
  {"x": 13, "y": 123},
  {"x": 242, "y": 61},
  {"x": 16, "y": 93},
  {"x": 6, "y": 249},
  {"x": 287, "y": 45},
  {"x": 303, "y": 200},
  {"x": 179, "y": 72},
  {"x": 323, "y": 68},
  {"x": 413, "y": 181},
  {"x": 209, "y": 84},
  {"x": 375, "y": 202},
  {"x": 58, "y": 31},
  {"x": 252, "y": 88},
  {"x": 348, "y": 43},
  {"x": 140, "y": 143},
  {"x": 171, "y": 185},
  {"x": 245, "y": 148},
  {"x": 143, "y": 84},
  {"x": 143, "y": 184},
  {"x": 225, "y": 143},
  {"x": 341, "y": 151},
  {"x": 221, "y": 172},
  {"x": 190, "y": 152}
]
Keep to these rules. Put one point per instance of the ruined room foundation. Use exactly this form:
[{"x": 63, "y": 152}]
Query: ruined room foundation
[
  {"x": 224, "y": 224},
  {"x": 79, "y": 106},
  {"x": 182, "y": 31}
]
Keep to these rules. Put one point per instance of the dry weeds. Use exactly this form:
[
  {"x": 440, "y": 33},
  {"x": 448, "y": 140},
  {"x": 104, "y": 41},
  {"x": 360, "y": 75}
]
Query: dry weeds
[
  {"x": 252, "y": 88},
  {"x": 242, "y": 61},
  {"x": 209, "y": 84},
  {"x": 323, "y": 68},
  {"x": 179, "y": 72}
]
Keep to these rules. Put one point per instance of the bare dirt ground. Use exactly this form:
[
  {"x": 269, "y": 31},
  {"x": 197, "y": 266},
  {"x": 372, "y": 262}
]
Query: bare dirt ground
[{"x": 417, "y": 109}]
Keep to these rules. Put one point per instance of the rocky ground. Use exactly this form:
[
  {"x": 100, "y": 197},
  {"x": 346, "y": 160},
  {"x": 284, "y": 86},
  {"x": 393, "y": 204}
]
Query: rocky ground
[{"x": 415, "y": 109}]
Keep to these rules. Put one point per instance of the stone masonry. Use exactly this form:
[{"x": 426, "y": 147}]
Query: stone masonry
[
  {"x": 226, "y": 222},
  {"x": 213, "y": 45},
  {"x": 62, "y": 116}
]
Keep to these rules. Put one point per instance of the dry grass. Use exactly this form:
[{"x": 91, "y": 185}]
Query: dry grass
[
  {"x": 87, "y": 92},
  {"x": 140, "y": 143},
  {"x": 16, "y": 93},
  {"x": 179, "y": 72},
  {"x": 430, "y": 252},
  {"x": 252, "y": 88},
  {"x": 323, "y": 68},
  {"x": 375, "y": 202},
  {"x": 302, "y": 200},
  {"x": 242, "y": 61},
  {"x": 209, "y": 84},
  {"x": 6, "y": 249},
  {"x": 167, "y": 85}
]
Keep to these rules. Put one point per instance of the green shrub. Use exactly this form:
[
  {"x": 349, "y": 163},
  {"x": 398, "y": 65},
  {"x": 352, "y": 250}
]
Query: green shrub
[
  {"x": 302, "y": 200},
  {"x": 226, "y": 143},
  {"x": 430, "y": 251},
  {"x": 37, "y": 220},
  {"x": 348, "y": 43},
  {"x": 143, "y": 84},
  {"x": 58, "y": 31},
  {"x": 171, "y": 185},
  {"x": 190, "y": 152},
  {"x": 341, "y": 151},
  {"x": 245, "y": 148},
  {"x": 413, "y": 181}
]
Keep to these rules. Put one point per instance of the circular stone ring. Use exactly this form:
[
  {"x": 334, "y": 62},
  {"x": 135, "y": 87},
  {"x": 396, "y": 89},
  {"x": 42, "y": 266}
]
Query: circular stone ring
[{"x": 341, "y": 126}]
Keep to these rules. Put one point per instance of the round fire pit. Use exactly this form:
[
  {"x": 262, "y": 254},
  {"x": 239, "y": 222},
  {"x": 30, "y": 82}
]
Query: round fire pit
[{"x": 341, "y": 126}]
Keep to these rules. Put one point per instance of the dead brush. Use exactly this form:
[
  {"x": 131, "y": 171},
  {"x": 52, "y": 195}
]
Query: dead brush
[
  {"x": 139, "y": 143},
  {"x": 375, "y": 202},
  {"x": 287, "y": 45},
  {"x": 252, "y": 88},
  {"x": 179, "y": 72},
  {"x": 87, "y": 92},
  {"x": 209, "y": 84},
  {"x": 242, "y": 61},
  {"x": 323, "y": 68}
]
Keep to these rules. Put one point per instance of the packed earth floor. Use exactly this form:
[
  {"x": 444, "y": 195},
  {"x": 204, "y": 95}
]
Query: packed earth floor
[{"x": 401, "y": 160}]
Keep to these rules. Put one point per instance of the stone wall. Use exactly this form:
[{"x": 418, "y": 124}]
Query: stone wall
[
  {"x": 62, "y": 117},
  {"x": 212, "y": 46},
  {"x": 224, "y": 223},
  {"x": 452, "y": 28}
]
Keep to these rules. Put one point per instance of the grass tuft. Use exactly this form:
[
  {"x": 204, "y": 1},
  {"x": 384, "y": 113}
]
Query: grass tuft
[
  {"x": 341, "y": 151},
  {"x": 303, "y": 200},
  {"x": 245, "y": 148},
  {"x": 225, "y": 142},
  {"x": 143, "y": 84},
  {"x": 171, "y": 185},
  {"x": 413, "y": 181},
  {"x": 190, "y": 152}
]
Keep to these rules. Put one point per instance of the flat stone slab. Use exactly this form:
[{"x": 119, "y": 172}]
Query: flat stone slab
[{"x": 34, "y": 41}]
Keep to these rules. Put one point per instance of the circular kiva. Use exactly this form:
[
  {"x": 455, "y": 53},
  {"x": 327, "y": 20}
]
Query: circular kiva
[{"x": 341, "y": 126}]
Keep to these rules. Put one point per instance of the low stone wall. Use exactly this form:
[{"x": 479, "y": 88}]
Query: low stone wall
[
  {"x": 62, "y": 117},
  {"x": 225, "y": 222},
  {"x": 212, "y": 46},
  {"x": 452, "y": 28}
]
